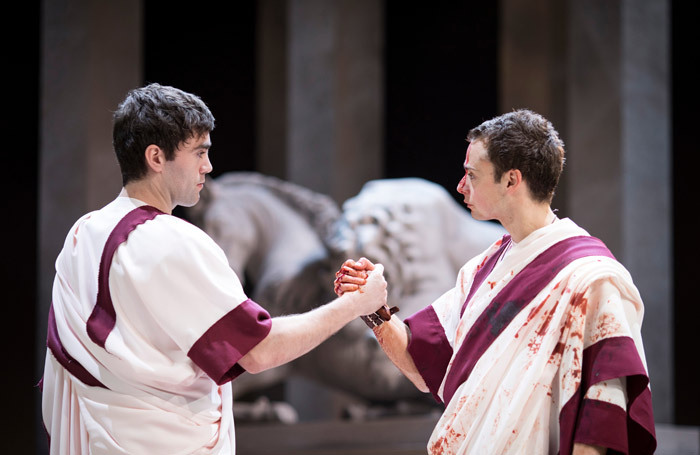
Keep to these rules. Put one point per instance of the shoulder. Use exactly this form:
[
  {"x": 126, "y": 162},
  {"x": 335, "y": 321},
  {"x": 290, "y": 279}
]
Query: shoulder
[
  {"x": 80, "y": 221},
  {"x": 178, "y": 227},
  {"x": 92, "y": 229},
  {"x": 168, "y": 236},
  {"x": 600, "y": 279},
  {"x": 566, "y": 227},
  {"x": 601, "y": 267},
  {"x": 170, "y": 228}
]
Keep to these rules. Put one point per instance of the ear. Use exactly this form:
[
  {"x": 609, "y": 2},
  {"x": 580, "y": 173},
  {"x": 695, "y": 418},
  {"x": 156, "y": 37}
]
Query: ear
[
  {"x": 513, "y": 179},
  {"x": 155, "y": 158}
]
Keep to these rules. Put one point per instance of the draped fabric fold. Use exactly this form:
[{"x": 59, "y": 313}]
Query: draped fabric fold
[
  {"x": 146, "y": 327},
  {"x": 545, "y": 350}
]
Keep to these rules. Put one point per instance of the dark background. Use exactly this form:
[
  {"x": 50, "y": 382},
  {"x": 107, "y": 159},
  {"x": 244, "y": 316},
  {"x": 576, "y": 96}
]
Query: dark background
[{"x": 440, "y": 81}]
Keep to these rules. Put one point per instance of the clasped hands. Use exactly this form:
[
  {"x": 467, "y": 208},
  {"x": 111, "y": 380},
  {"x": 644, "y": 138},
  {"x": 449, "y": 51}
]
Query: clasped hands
[{"x": 355, "y": 276}]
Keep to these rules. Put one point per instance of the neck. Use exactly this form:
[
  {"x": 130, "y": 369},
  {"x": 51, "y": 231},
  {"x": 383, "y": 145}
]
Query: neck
[
  {"x": 145, "y": 190},
  {"x": 527, "y": 218}
]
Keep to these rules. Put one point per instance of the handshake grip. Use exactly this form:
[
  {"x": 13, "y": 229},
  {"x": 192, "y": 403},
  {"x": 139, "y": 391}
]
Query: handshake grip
[{"x": 355, "y": 273}]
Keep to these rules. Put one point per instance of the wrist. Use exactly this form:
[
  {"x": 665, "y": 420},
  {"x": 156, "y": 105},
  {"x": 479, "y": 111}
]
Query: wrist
[
  {"x": 380, "y": 316},
  {"x": 372, "y": 320},
  {"x": 351, "y": 302}
]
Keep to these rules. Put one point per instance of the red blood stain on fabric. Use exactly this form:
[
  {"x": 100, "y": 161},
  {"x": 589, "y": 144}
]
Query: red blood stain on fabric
[
  {"x": 578, "y": 299},
  {"x": 606, "y": 326},
  {"x": 443, "y": 445},
  {"x": 545, "y": 324},
  {"x": 559, "y": 348},
  {"x": 446, "y": 443},
  {"x": 535, "y": 310},
  {"x": 557, "y": 351}
]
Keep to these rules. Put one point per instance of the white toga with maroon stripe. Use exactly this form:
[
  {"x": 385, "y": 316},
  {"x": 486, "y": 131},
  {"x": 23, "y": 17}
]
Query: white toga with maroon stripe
[
  {"x": 563, "y": 365},
  {"x": 182, "y": 323}
]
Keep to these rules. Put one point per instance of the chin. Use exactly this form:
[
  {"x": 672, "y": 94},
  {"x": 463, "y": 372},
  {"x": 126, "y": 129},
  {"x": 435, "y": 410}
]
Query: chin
[{"x": 189, "y": 203}]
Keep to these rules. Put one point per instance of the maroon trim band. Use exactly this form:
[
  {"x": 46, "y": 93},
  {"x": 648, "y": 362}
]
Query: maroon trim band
[
  {"x": 515, "y": 296},
  {"x": 603, "y": 424},
  {"x": 607, "y": 359},
  {"x": 428, "y": 336},
  {"x": 53, "y": 342},
  {"x": 485, "y": 270},
  {"x": 429, "y": 348},
  {"x": 103, "y": 318},
  {"x": 219, "y": 349}
]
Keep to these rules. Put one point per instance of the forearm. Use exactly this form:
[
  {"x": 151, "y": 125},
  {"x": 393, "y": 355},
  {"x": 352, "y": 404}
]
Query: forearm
[
  {"x": 393, "y": 338},
  {"x": 292, "y": 336},
  {"x": 585, "y": 449}
]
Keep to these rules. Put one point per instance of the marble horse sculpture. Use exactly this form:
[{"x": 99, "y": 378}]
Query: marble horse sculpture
[{"x": 285, "y": 242}]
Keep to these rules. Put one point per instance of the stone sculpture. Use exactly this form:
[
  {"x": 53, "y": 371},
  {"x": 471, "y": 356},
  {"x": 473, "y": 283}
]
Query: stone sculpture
[{"x": 285, "y": 242}]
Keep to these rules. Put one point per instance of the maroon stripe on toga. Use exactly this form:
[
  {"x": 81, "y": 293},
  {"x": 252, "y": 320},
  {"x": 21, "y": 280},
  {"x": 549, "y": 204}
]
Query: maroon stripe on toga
[
  {"x": 515, "y": 296},
  {"x": 103, "y": 318},
  {"x": 597, "y": 423},
  {"x": 53, "y": 342},
  {"x": 485, "y": 270},
  {"x": 219, "y": 349},
  {"x": 428, "y": 346}
]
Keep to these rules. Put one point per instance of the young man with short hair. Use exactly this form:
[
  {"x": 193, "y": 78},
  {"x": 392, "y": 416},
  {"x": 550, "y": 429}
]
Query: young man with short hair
[
  {"x": 537, "y": 349},
  {"x": 148, "y": 324}
]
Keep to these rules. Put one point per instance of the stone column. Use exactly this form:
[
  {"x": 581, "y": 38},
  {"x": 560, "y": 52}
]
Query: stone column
[
  {"x": 91, "y": 54},
  {"x": 647, "y": 212},
  {"x": 320, "y": 114},
  {"x": 320, "y": 100},
  {"x": 620, "y": 154},
  {"x": 599, "y": 71}
]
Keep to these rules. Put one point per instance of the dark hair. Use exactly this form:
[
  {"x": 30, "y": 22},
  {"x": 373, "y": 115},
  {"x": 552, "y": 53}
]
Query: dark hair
[
  {"x": 156, "y": 115},
  {"x": 526, "y": 141}
]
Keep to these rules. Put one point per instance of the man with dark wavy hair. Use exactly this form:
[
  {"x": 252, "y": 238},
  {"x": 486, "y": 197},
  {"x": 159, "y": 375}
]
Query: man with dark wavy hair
[
  {"x": 537, "y": 349},
  {"x": 148, "y": 324}
]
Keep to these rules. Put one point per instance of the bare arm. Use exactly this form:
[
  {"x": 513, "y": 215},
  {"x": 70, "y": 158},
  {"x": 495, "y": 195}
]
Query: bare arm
[
  {"x": 393, "y": 336},
  {"x": 585, "y": 449},
  {"x": 293, "y": 336}
]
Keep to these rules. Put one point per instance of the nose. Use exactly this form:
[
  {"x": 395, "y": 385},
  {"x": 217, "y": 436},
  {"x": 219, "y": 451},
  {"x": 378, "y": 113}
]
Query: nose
[
  {"x": 207, "y": 166},
  {"x": 462, "y": 185}
]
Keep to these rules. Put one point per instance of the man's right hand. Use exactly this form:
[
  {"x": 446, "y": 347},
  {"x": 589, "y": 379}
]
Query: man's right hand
[
  {"x": 352, "y": 275},
  {"x": 372, "y": 295}
]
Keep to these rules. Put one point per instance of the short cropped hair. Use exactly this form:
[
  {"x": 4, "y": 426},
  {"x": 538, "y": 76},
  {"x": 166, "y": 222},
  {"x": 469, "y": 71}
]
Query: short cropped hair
[
  {"x": 526, "y": 141},
  {"x": 156, "y": 115}
]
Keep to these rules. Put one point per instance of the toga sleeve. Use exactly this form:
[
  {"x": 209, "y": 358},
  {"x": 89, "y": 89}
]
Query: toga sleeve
[
  {"x": 433, "y": 331},
  {"x": 612, "y": 406},
  {"x": 185, "y": 284},
  {"x": 429, "y": 348}
]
